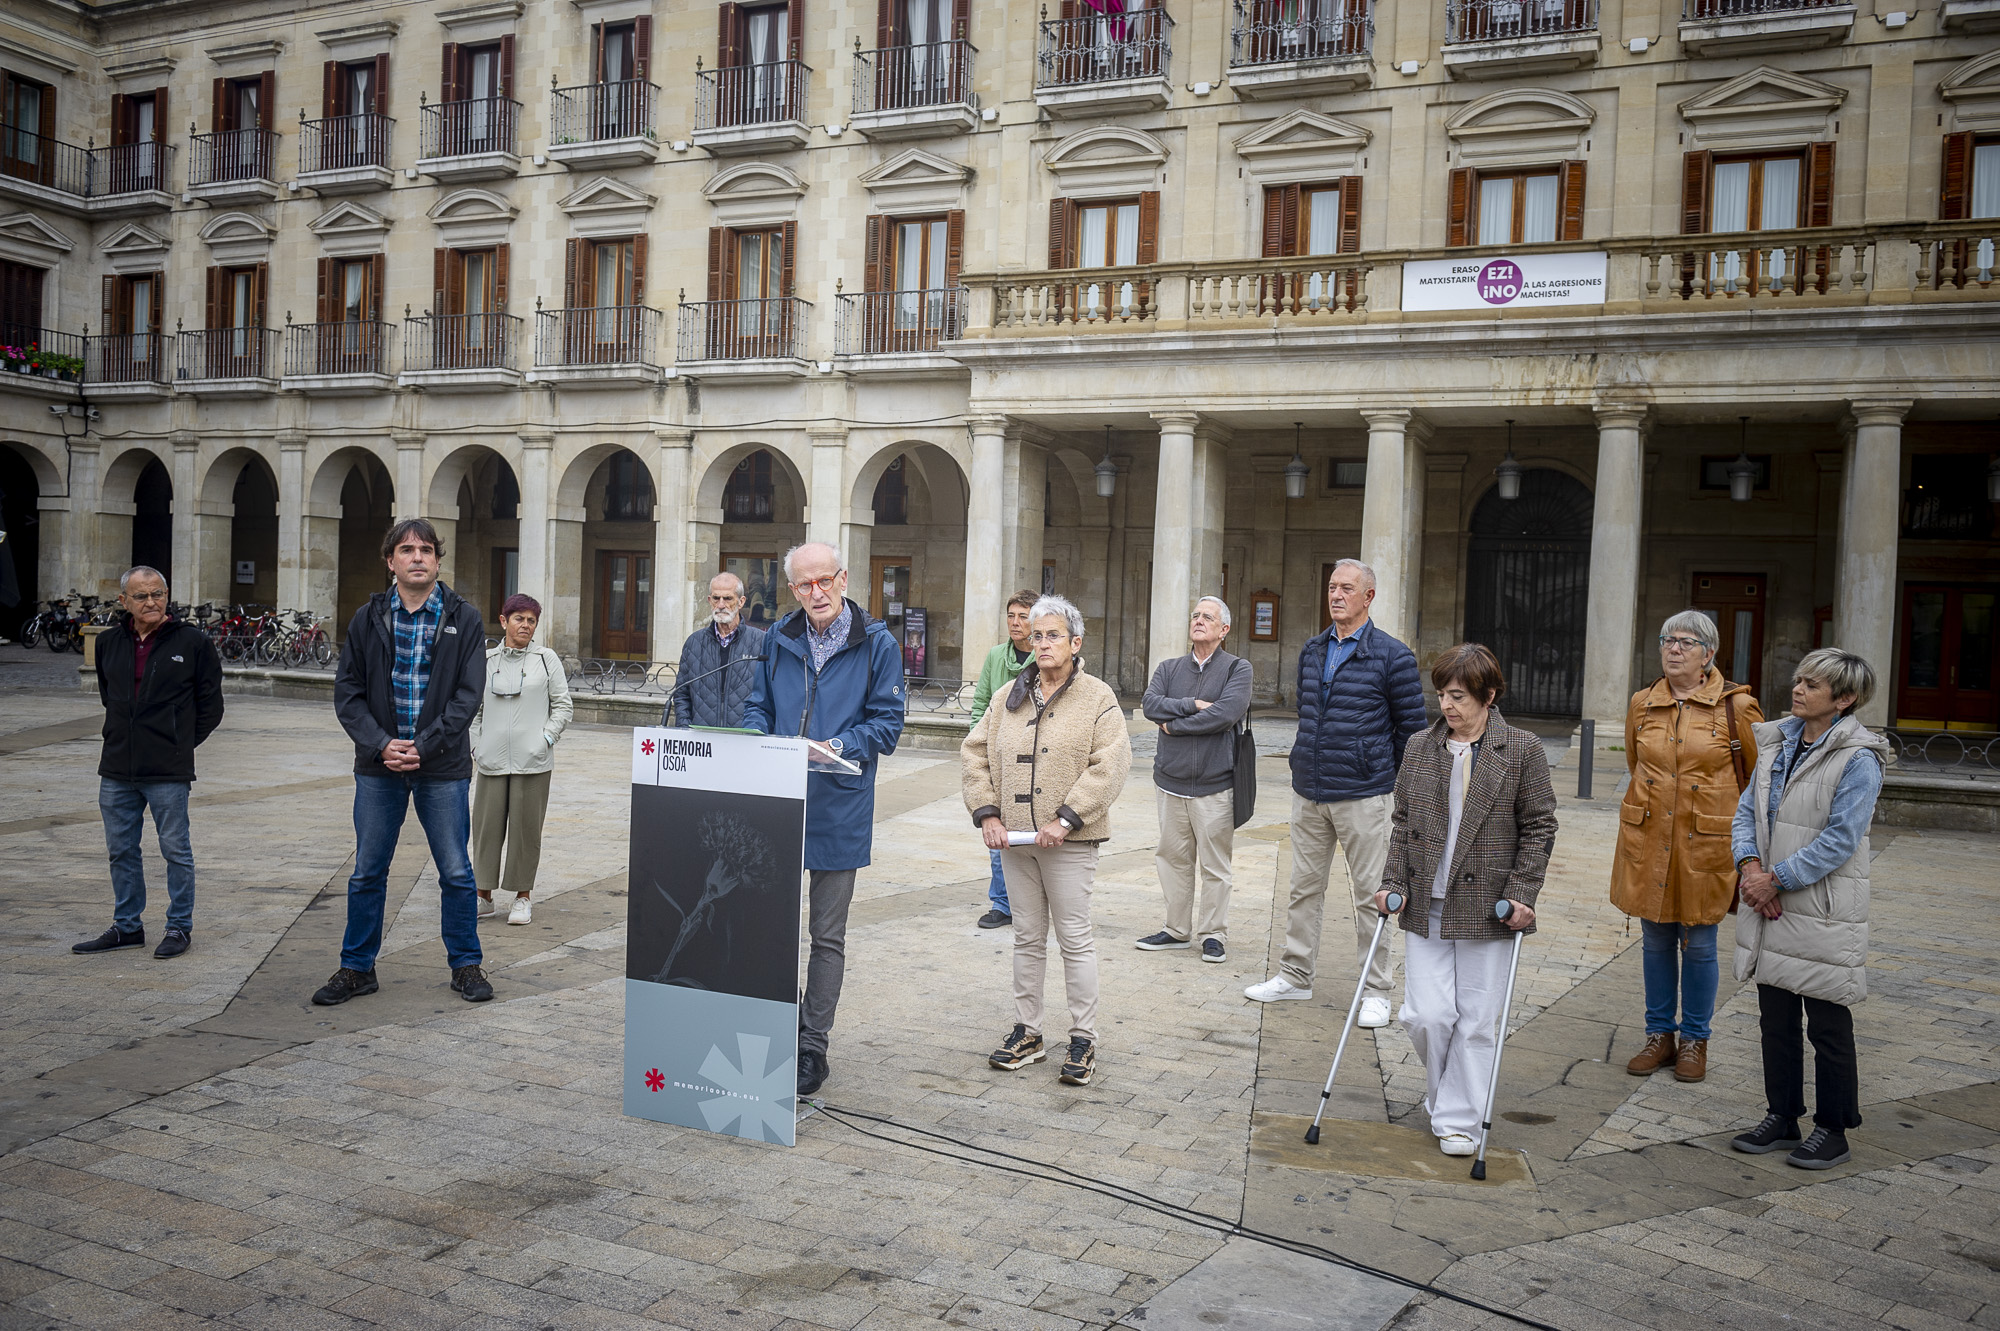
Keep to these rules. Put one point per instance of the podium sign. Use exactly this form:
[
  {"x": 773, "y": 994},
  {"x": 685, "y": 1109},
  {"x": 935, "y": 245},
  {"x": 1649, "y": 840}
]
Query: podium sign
[{"x": 712, "y": 947}]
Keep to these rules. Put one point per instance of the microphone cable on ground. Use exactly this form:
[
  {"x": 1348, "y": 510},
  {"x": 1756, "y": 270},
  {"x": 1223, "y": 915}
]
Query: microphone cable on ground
[{"x": 1120, "y": 1192}]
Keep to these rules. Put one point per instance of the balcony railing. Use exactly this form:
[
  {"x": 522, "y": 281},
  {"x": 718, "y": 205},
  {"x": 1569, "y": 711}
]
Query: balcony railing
[
  {"x": 595, "y": 112},
  {"x": 88, "y": 172},
  {"x": 345, "y": 143},
  {"x": 1507, "y": 20},
  {"x": 232, "y": 154},
  {"x": 464, "y": 129},
  {"x": 228, "y": 353},
  {"x": 768, "y": 329},
  {"x": 460, "y": 342},
  {"x": 877, "y": 323},
  {"x": 902, "y": 78},
  {"x": 598, "y": 335},
  {"x": 45, "y": 352},
  {"x": 1102, "y": 48},
  {"x": 125, "y": 358},
  {"x": 1704, "y": 9},
  {"x": 1269, "y": 32},
  {"x": 349, "y": 346},
  {"x": 750, "y": 94}
]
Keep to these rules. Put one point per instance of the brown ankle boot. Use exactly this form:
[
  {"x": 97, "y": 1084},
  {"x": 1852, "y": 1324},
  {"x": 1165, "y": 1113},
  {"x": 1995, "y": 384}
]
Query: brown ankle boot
[
  {"x": 1691, "y": 1063},
  {"x": 1658, "y": 1053}
]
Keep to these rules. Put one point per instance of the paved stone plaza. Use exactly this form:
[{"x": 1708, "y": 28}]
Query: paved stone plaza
[{"x": 190, "y": 1142}]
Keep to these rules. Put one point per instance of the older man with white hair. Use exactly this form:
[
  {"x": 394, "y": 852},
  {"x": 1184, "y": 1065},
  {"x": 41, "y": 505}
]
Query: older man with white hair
[
  {"x": 710, "y": 686},
  {"x": 1197, "y": 701},
  {"x": 834, "y": 676},
  {"x": 1360, "y": 701}
]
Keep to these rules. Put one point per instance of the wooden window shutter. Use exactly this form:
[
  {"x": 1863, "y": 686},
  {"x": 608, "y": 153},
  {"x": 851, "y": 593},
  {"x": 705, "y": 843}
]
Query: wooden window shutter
[
  {"x": 961, "y": 19},
  {"x": 46, "y": 127},
  {"x": 1696, "y": 168},
  {"x": 795, "y": 29},
  {"x": 1569, "y": 189},
  {"x": 325, "y": 291},
  {"x": 222, "y": 108},
  {"x": 1819, "y": 184},
  {"x": 217, "y": 278},
  {"x": 572, "y": 256},
  {"x": 788, "y": 266},
  {"x": 500, "y": 278},
  {"x": 329, "y": 93},
  {"x": 877, "y": 228},
  {"x": 1350, "y": 216},
  {"x": 729, "y": 37},
  {"x": 1277, "y": 199},
  {"x": 507, "y": 65},
  {"x": 886, "y": 14},
  {"x": 121, "y": 119},
  {"x": 642, "y": 48},
  {"x": 448, "y": 81},
  {"x": 267, "y": 101},
  {"x": 440, "y": 280},
  {"x": 381, "y": 107},
  {"x": 159, "y": 301},
  {"x": 639, "y": 269},
  {"x": 597, "y": 53},
  {"x": 378, "y": 279},
  {"x": 1062, "y": 236},
  {"x": 718, "y": 241},
  {"x": 159, "y": 115},
  {"x": 1149, "y": 226},
  {"x": 954, "y": 246},
  {"x": 263, "y": 292},
  {"x": 1955, "y": 185},
  {"x": 110, "y": 306},
  {"x": 1458, "y": 207}
]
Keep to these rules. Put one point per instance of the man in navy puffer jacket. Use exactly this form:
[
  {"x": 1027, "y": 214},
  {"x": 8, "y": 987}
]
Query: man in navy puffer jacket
[{"x": 1360, "y": 701}]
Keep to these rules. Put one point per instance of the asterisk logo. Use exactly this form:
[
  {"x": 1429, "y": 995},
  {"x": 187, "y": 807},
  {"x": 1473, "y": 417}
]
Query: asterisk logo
[
  {"x": 756, "y": 1096},
  {"x": 646, "y": 747},
  {"x": 654, "y": 1081}
]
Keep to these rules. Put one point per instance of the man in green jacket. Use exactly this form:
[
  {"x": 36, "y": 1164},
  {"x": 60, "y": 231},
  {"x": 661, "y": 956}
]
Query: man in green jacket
[{"x": 1003, "y": 663}]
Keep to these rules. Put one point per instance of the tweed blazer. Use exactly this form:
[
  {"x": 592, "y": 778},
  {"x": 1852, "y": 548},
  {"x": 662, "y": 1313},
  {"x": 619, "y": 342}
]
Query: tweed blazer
[
  {"x": 1504, "y": 832},
  {"x": 1069, "y": 757}
]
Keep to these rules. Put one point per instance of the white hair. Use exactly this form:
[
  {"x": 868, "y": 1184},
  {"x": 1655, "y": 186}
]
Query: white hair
[
  {"x": 1366, "y": 571},
  {"x": 1056, "y": 605},
  {"x": 1697, "y": 625},
  {"x": 805, "y": 547},
  {"x": 139, "y": 571},
  {"x": 1218, "y": 603},
  {"x": 733, "y": 579}
]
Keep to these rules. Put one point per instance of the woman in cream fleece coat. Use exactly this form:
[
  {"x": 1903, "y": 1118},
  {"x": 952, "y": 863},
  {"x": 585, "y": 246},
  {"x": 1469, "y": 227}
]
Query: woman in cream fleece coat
[{"x": 514, "y": 737}]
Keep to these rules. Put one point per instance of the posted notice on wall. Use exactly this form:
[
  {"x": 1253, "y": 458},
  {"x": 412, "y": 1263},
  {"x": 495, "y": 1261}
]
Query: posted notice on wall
[
  {"x": 1506, "y": 282},
  {"x": 712, "y": 945}
]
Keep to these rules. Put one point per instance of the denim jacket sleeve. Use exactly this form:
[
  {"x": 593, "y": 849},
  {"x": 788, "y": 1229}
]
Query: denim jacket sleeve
[
  {"x": 1846, "y": 823},
  {"x": 1743, "y": 831}
]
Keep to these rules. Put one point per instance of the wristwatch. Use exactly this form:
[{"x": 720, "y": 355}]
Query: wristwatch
[{"x": 834, "y": 744}]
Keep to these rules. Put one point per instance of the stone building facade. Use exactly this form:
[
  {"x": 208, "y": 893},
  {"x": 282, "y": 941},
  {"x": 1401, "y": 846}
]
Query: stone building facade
[{"x": 1501, "y": 296}]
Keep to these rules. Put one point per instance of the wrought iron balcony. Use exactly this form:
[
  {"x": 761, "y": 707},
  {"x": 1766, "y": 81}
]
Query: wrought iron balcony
[
  {"x": 1508, "y": 20},
  {"x": 345, "y": 154},
  {"x": 237, "y": 356},
  {"x": 460, "y": 342},
  {"x": 45, "y": 362},
  {"x": 470, "y": 139},
  {"x": 595, "y": 118},
  {"x": 126, "y": 360},
  {"x": 1103, "y": 48},
  {"x": 346, "y": 348},
  {"x": 232, "y": 155},
  {"x": 87, "y": 179},
  {"x": 739, "y": 95},
  {"x": 1268, "y": 32},
  {"x": 889, "y": 323},
  {"x": 1705, "y": 9},
  {"x": 767, "y": 329},
  {"x": 1745, "y": 27},
  {"x": 608, "y": 345},
  {"x": 904, "y": 78}
]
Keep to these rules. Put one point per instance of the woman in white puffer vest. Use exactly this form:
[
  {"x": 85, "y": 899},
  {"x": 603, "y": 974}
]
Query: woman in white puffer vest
[
  {"x": 1801, "y": 840},
  {"x": 523, "y": 714}
]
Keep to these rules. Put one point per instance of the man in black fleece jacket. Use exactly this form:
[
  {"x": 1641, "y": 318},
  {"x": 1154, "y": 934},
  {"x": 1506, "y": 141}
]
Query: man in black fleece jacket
[{"x": 412, "y": 674}]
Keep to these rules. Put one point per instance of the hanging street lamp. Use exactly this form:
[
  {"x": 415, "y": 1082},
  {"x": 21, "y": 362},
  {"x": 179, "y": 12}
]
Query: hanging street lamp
[
  {"x": 1296, "y": 471},
  {"x": 1742, "y": 472},
  {"x": 1509, "y": 471},
  {"x": 1107, "y": 470}
]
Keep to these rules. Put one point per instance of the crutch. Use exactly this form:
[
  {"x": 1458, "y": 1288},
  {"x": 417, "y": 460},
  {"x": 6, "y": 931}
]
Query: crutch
[
  {"x": 1503, "y": 909},
  {"x": 1395, "y": 904}
]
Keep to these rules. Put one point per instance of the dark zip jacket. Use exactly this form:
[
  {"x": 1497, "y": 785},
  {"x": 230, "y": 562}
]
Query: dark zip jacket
[
  {"x": 150, "y": 732},
  {"x": 364, "y": 693},
  {"x": 1352, "y": 734}
]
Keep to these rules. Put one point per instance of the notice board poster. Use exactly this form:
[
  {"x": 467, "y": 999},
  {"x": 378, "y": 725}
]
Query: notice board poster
[{"x": 712, "y": 947}]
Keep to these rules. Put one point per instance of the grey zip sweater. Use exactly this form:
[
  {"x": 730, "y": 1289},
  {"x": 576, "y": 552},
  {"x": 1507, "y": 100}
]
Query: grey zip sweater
[{"x": 1197, "y": 754}]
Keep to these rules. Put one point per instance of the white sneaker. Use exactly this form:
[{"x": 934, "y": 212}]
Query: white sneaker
[
  {"x": 1457, "y": 1143},
  {"x": 1275, "y": 989},
  {"x": 1374, "y": 1012},
  {"x": 485, "y": 907},
  {"x": 523, "y": 913}
]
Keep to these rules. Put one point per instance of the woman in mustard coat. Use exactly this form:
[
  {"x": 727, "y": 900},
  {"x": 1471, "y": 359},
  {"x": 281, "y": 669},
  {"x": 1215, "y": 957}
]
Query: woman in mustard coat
[{"x": 1689, "y": 747}]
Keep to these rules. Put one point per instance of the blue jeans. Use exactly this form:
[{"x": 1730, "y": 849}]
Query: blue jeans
[
  {"x": 123, "y": 805},
  {"x": 1691, "y": 972},
  {"x": 380, "y": 805},
  {"x": 996, "y": 891}
]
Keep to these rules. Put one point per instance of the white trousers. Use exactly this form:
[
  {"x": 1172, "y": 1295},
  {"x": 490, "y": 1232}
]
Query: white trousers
[{"x": 1452, "y": 992}]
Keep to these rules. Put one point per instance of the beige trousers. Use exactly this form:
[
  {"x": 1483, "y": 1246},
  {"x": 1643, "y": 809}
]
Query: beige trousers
[
  {"x": 508, "y": 809},
  {"x": 1050, "y": 886},
  {"x": 1197, "y": 837},
  {"x": 1360, "y": 828}
]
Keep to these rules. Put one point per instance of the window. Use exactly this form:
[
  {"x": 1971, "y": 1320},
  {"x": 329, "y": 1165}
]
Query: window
[
  {"x": 353, "y": 97},
  {"x": 138, "y": 128},
  {"x": 918, "y": 66},
  {"x": 131, "y": 313},
  {"x": 27, "y": 123},
  {"x": 20, "y": 303},
  {"x": 628, "y": 490},
  {"x": 1314, "y": 219},
  {"x": 1970, "y": 190},
  {"x": 242, "y": 111},
  {"x": 749, "y": 279},
  {"x": 1346, "y": 474},
  {"x": 1777, "y": 191},
  {"x": 607, "y": 277},
  {"x": 1715, "y": 471},
  {"x": 755, "y": 83},
  {"x": 1306, "y": 29},
  {"x": 350, "y": 310},
  {"x": 911, "y": 273},
  {"x": 1106, "y": 234},
  {"x": 748, "y": 495},
  {"x": 1947, "y": 498},
  {"x": 476, "y": 80},
  {"x": 469, "y": 292},
  {"x": 1526, "y": 207},
  {"x": 236, "y": 296},
  {"x": 892, "y": 497}
]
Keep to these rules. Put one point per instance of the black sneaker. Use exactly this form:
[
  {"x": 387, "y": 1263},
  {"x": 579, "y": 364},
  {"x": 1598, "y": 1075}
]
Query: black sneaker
[
  {"x": 1823, "y": 1150},
  {"x": 472, "y": 983},
  {"x": 1018, "y": 1050},
  {"x": 1774, "y": 1133},
  {"x": 995, "y": 919},
  {"x": 172, "y": 943},
  {"x": 1211, "y": 949},
  {"x": 1161, "y": 942},
  {"x": 1079, "y": 1063},
  {"x": 346, "y": 984},
  {"x": 111, "y": 940},
  {"x": 813, "y": 1072}
]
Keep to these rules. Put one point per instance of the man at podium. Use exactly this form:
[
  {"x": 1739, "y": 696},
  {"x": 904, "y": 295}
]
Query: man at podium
[{"x": 834, "y": 676}]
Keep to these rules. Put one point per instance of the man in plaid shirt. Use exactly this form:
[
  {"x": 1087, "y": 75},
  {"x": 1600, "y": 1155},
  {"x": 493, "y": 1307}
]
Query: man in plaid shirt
[{"x": 412, "y": 673}]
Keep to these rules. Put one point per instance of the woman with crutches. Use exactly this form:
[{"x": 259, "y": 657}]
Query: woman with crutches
[{"x": 1475, "y": 817}]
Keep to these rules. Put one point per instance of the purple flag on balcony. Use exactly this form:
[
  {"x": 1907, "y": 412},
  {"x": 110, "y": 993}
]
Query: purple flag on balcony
[{"x": 1116, "y": 9}]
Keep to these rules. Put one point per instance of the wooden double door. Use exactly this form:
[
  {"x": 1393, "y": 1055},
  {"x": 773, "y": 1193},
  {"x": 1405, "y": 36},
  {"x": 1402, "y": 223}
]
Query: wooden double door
[
  {"x": 1947, "y": 662},
  {"x": 624, "y": 604}
]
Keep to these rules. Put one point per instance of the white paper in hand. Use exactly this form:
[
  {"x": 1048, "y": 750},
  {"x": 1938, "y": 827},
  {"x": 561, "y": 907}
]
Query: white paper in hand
[{"x": 1021, "y": 838}]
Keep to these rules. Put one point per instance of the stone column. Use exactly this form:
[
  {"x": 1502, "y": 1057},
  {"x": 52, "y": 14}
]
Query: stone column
[
  {"x": 187, "y": 519},
  {"x": 1615, "y": 531},
  {"x": 826, "y": 488},
  {"x": 1023, "y": 509},
  {"x": 673, "y": 572},
  {"x": 1175, "y": 511},
  {"x": 1392, "y": 506},
  {"x": 81, "y": 555},
  {"x": 985, "y": 592},
  {"x": 291, "y": 518},
  {"x": 1207, "y": 511},
  {"x": 1864, "y": 616},
  {"x": 533, "y": 561}
]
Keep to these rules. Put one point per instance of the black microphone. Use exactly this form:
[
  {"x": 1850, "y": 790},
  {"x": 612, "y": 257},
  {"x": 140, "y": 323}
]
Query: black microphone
[{"x": 678, "y": 682}]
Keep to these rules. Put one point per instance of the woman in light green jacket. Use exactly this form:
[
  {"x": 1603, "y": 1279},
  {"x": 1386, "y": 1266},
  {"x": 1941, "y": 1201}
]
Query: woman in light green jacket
[{"x": 523, "y": 714}]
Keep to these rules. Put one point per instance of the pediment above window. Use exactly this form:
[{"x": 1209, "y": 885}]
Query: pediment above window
[
  {"x": 238, "y": 238},
  {"x": 607, "y": 207},
  {"x": 754, "y": 194},
  {"x": 1304, "y": 145},
  {"x": 1106, "y": 160},
  {"x": 134, "y": 249},
  {"x": 1764, "y": 107},
  {"x": 1519, "y": 127},
  {"x": 347, "y": 228},
  {"x": 26, "y": 238},
  {"x": 916, "y": 181},
  {"x": 1973, "y": 89},
  {"x": 472, "y": 218}
]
